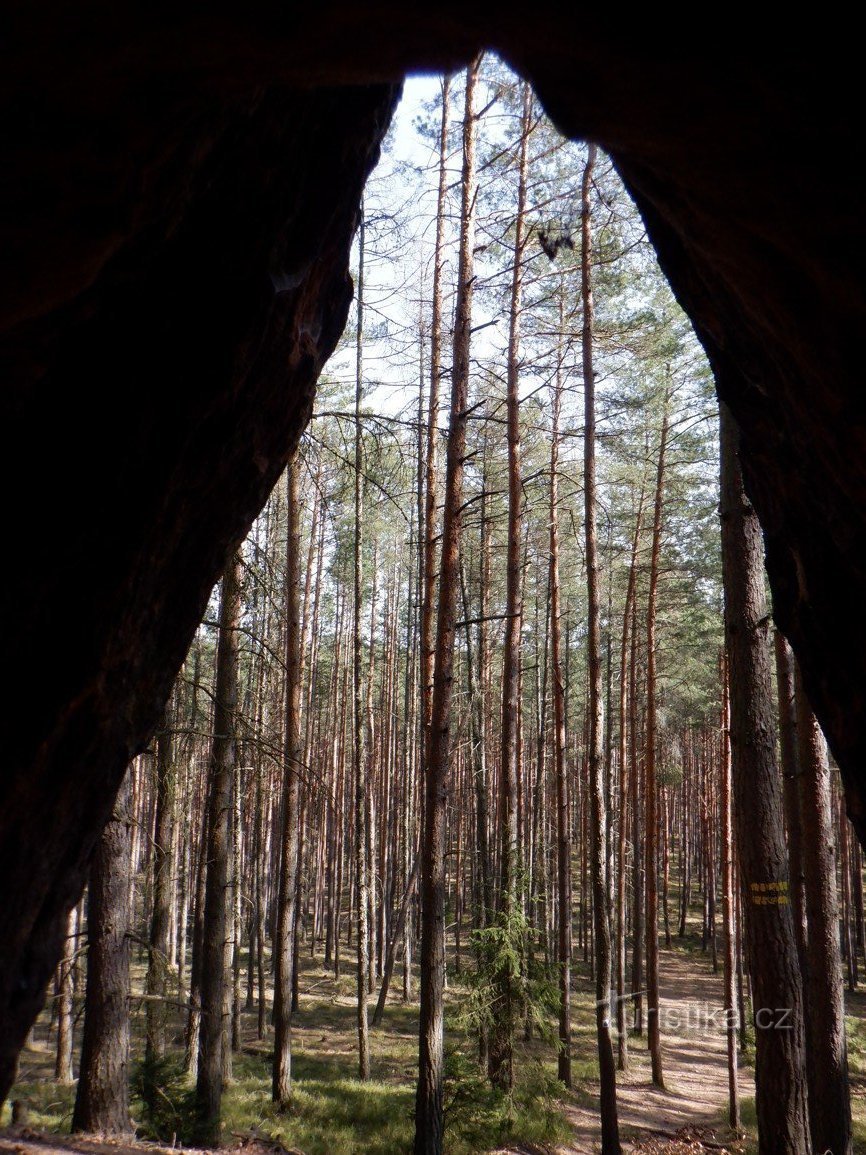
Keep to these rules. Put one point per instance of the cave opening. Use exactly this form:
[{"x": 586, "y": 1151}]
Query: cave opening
[{"x": 153, "y": 206}]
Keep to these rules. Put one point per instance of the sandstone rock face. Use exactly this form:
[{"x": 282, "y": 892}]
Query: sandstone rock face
[{"x": 179, "y": 197}]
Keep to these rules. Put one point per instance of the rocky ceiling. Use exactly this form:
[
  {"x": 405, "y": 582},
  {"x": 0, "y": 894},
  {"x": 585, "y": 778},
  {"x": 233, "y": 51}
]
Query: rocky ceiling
[{"x": 179, "y": 194}]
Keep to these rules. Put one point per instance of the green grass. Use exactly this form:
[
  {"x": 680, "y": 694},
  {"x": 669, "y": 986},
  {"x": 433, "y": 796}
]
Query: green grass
[
  {"x": 332, "y": 1111},
  {"x": 49, "y": 1105}
]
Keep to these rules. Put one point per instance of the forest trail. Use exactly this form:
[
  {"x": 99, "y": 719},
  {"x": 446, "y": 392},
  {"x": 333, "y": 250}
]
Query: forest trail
[{"x": 694, "y": 1060}]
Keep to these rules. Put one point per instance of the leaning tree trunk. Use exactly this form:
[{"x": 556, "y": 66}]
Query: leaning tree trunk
[
  {"x": 102, "y": 1100},
  {"x": 284, "y": 952},
  {"x": 429, "y": 1101},
  {"x": 826, "y": 1053},
  {"x": 209, "y": 1084},
  {"x": 601, "y": 908},
  {"x": 777, "y": 994}
]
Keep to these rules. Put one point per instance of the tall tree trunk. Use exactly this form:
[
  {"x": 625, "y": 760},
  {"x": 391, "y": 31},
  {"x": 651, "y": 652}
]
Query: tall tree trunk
[
  {"x": 849, "y": 945},
  {"x": 792, "y": 781},
  {"x": 209, "y": 1083},
  {"x": 563, "y": 824},
  {"x": 193, "y": 1024},
  {"x": 624, "y": 785},
  {"x": 731, "y": 1013},
  {"x": 428, "y": 586},
  {"x": 500, "y": 1062},
  {"x": 284, "y": 947},
  {"x": 638, "y": 880},
  {"x": 159, "y": 923},
  {"x": 652, "y": 791},
  {"x": 362, "y": 898},
  {"x": 484, "y": 882},
  {"x": 780, "y": 1067},
  {"x": 652, "y": 824},
  {"x": 63, "y": 1071},
  {"x": 826, "y": 1053},
  {"x": 428, "y": 1103},
  {"x": 610, "y": 1144},
  {"x": 102, "y": 1099}
]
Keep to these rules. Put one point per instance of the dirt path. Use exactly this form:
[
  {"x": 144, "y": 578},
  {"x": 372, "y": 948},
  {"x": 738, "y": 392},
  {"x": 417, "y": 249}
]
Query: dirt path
[{"x": 693, "y": 1059}]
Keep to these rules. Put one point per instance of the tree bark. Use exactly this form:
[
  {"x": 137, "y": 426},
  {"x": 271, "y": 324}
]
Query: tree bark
[
  {"x": 500, "y": 1058},
  {"x": 792, "y": 782},
  {"x": 563, "y": 824},
  {"x": 362, "y": 898},
  {"x": 428, "y": 587},
  {"x": 637, "y": 796},
  {"x": 651, "y": 784},
  {"x": 63, "y": 1071},
  {"x": 826, "y": 1051},
  {"x": 625, "y": 784},
  {"x": 102, "y": 1099},
  {"x": 157, "y": 965},
  {"x": 429, "y": 1098},
  {"x": 284, "y": 947},
  {"x": 731, "y": 1013},
  {"x": 777, "y": 995},
  {"x": 209, "y": 1082},
  {"x": 610, "y": 1144}
]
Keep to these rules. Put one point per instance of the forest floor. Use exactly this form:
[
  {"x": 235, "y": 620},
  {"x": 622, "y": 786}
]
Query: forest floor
[{"x": 337, "y": 1115}]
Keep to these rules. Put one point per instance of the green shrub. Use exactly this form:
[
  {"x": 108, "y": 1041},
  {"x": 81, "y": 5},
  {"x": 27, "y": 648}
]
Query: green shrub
[{"x": 163, "y": 1100}]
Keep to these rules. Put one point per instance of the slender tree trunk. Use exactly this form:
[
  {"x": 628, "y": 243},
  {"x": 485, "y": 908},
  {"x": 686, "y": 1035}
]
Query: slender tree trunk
[
  {"x": 500, "y": 1059},
  {"x": 362, "y": 884},
  {"x": 780, "y": 1074},
  {"x": 731, "y": 1014},
  {"x": 826, "y": 1052},
  {"x": 484, "y": 882},
  {"x": 429, "y": 1103},
  {"x": 792, "y": 781},
  {"x": 102, "y": 1099},
  {"x": 624, "y": 786},
  {"x": 563, "y": 825},
  {"x": 159, "y": 924},
  {"x": 284, "y": 947},
  {"x": 396, "y": 937},
  {"x": 849, "y": 945},
  {"x": 193, "y": 1025},
  {"x": 63, "y": 1071},
  {"x": 638, "y": 880},
  {"x": 209, "y": 1083},
  {"x": 652, "y": 791},
  {"x": 428, "y": 586},
  {"x": 610, "y": 1144}
]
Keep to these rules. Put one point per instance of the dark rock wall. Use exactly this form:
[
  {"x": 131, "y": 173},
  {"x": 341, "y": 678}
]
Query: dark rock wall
[
  {"x": 151, "y": 415},
  {"x": 179, "y": 190}
]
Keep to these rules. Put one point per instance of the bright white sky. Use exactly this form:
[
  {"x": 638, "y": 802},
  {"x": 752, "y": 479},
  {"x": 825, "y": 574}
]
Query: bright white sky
[{"x": 398, "y": 268}]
